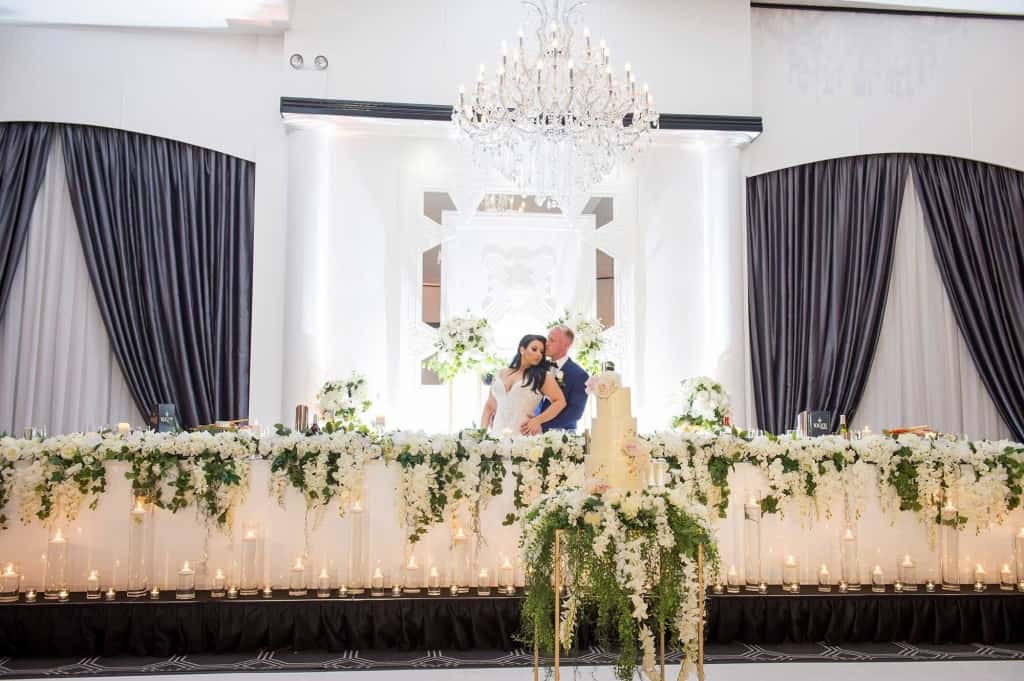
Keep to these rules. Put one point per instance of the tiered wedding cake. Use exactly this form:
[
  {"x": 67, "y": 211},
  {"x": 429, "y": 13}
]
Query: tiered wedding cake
[{"x": 612, "y": 431}]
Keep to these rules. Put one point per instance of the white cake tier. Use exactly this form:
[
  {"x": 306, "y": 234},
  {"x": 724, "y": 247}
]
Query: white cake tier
[{"x": 610, "y": 430}]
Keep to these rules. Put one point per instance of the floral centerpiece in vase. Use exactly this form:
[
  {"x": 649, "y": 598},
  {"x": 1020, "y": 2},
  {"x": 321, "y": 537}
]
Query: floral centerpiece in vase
[
  {"x": 462, "y": 345},
  {"x": 344, "y": 402},
  {"x": 705, "y": 405}
]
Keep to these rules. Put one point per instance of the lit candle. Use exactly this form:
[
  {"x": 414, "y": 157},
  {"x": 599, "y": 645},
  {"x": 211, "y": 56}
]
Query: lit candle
[
  {"x": 30, "y": 596},
  {"x": 111, "y": 594},
  {"x": 268, "y": 591},
  {"x": 219, "y": 582},
  {"x": 507, "y": 577},
  {"x": 732, "y": 579},
  {"x": 186, "y": 583},
  {"x": 10, "y": 582},
  {"x": 1006, "y": 578},
  {"x": 459, "y": 575},
  {"x": 790, "y": 573},
  {"x": 92, "y": 585},
  {"x": 412, "y": 575},
  {"x": 483, "y": 584},
  {"x": 434, "y": 581},
  {"x": 63, "y": 595},
  {"x": 378, "y": 579},
  {"x": 979, "y": 577},
  {"x": 824, "y": 579},
  {"x": 908, "y": 574},
  {"x": 232, "y": 592},
  {"x": 154, "y": 593},
  {"x": 877, "y": 579},
  {"x": 122, "y": 429},
  {"x": 323, "y": 584},
  {"x": 297, "y": 578}
]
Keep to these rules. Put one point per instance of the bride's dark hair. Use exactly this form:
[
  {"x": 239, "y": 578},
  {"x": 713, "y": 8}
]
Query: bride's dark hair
[{"x": 533, "y": 377}]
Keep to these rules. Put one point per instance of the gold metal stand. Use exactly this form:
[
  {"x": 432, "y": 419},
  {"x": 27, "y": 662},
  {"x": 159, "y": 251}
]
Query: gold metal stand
[
  {"x": 700, "y": 609},
  {"x": 558, "y": 599},
  {"x": 536, "y": 652},
  {"x": 661, "y": 647}
]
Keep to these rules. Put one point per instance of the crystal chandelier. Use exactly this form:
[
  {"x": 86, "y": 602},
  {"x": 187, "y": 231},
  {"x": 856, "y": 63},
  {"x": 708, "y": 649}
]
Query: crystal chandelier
[{"x": 556, "y": 118}]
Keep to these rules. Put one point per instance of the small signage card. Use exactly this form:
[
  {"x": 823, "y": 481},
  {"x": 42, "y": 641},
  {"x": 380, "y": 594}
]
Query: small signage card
[
  {"x": 166, "y": 418},
  {"x": 821, "y": 423}
]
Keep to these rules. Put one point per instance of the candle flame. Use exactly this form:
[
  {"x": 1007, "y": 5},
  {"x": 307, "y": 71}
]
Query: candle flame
[
  {"x": 378, "y": 573},
  {"x": 483, "y": 572},
  {"x": 824, "y": 568},
  {"x": 250, "y": 534},
  {"x": 433, "y": 571},
  {"x": 357, "y": 506},
  {"x": 323, "y": 572},
  {"x": 59, "y": 536},
  {"x": 732, "y": 569},
  {"x": 298, "y": 563},
  {"x": 412, "y": 562},
  {"x": 94, "y": 574},
  {"x": 9, "y": 570},
  {"x": 185, "y": 566},
  {"x": 507, "y": 563}
]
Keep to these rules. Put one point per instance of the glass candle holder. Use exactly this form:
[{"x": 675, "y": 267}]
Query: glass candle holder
[
  {"x": 413, "y": 576},
  {"x": 92, "y": 586},
  {"x": 219, "y": 586},
  {"x": 434, "y": 582},
  {"x": 506, "y": 578},
  {"x": 154, "y": 593},
  {"x": 1018, "y": 554},
  {"x": 483, "y": 584},
  {"x": 377, "y": 582},
  {"x": 1006, "y": 578},
  {"x": 949, "y": 557},
  {"x": 791, "y": 574},
  {"x": 140, "y": 547},
  {"x": 232, "y": 592},
  {"x": 251, "y": 559},
  {"x": 824, "y": 579},
  {"x": 186, "y": 590},
  {"x": 297, "y": 579},
  {"x": 358, "y": 557},
  {"x": 908, "y": 574},
  {"x": 732, "y": 580},
  {"x": 110, "y": 595},
  {"x": 63, "y": 596},
  {"x": 752, "y": 543},
  {"x": 460, "y": 546},
  {"x": 323, "y": 584},
  {"x": 268, "y": 591},
  {"x": 878, "y": 580},
  {"x": 56, "y": 565},
  {"x": 850, "y": 557},
  {"x": 10, "y": 584},
  {"x": 30, "y": 595},
  {"x": 980, "y": 578}
]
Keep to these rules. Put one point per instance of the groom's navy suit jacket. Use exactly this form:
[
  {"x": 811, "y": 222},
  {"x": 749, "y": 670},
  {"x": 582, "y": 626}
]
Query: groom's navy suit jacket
[{"x": 574, "y": 385}]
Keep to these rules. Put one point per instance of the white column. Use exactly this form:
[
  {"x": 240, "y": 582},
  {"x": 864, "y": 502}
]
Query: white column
[
  {"x": 691, "y": 273},
  {"x": 340, "y": 211}
]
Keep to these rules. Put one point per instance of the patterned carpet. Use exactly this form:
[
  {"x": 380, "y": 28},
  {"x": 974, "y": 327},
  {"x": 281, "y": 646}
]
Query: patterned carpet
[{"x": 283, "y": 660}]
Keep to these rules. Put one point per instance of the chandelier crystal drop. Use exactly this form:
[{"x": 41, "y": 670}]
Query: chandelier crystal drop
[{"x": 555, "y": 117}]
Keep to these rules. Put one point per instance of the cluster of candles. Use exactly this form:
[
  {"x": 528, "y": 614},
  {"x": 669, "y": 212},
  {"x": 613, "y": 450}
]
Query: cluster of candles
[{"x": 906, "y": 579}]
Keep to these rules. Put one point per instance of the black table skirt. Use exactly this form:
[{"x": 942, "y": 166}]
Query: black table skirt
[{"x": 168, "y": 627}]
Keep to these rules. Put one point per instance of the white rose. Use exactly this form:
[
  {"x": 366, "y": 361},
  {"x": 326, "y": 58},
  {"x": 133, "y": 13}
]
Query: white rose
[{"x": 630, "y": 506}]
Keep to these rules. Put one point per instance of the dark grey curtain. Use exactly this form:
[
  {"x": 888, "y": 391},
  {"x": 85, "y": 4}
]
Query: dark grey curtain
[
  {"x": 974, "y": 213},
  {"x": 167, "y": 231},
  {"x": 24, "y": 150},
  {"x": 820, "y": 238}
]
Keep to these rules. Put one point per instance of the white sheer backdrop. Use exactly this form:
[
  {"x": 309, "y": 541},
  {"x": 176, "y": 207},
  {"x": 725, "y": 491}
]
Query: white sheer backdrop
[
  {"x": 923, "y": 372},
  {"x": 57, "y": 369}
]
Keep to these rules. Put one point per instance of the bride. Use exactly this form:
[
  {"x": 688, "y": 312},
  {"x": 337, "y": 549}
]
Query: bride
[{"x": 517, "y": 390}]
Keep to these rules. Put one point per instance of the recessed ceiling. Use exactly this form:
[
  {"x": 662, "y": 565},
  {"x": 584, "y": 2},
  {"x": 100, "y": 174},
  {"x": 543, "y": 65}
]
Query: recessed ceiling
[
  {"x": 1007, "y": 7},
  {"x": 244, "y": 16}
]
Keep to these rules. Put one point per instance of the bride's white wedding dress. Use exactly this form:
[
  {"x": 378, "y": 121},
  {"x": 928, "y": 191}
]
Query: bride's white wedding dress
[{"x": 515, "y": 405}]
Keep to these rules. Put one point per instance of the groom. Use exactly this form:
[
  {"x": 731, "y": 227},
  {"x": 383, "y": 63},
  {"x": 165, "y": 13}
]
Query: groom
[{"x": 571, "y": 378}]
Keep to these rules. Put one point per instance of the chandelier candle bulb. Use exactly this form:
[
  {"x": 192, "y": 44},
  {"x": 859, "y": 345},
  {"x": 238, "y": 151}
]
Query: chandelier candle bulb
[
  {"x": 297, "y": 578},
  {"x": 186, "y": 590},
  {"x": 732, "y": 580},
  {"x": 92, "y": 586},
  {"x": 824, "y": 579},
  {"x": 908, "y": 574},
  {"x": 1006, "y": 578},
  {"x": 10, "y": 584}
]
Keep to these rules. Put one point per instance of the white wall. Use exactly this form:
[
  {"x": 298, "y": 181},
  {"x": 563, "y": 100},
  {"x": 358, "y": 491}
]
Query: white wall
[
  {"x": 836, "y": 84},
  {"x": 694, "y": 53},
  {"x": 217, "y": 91}
]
